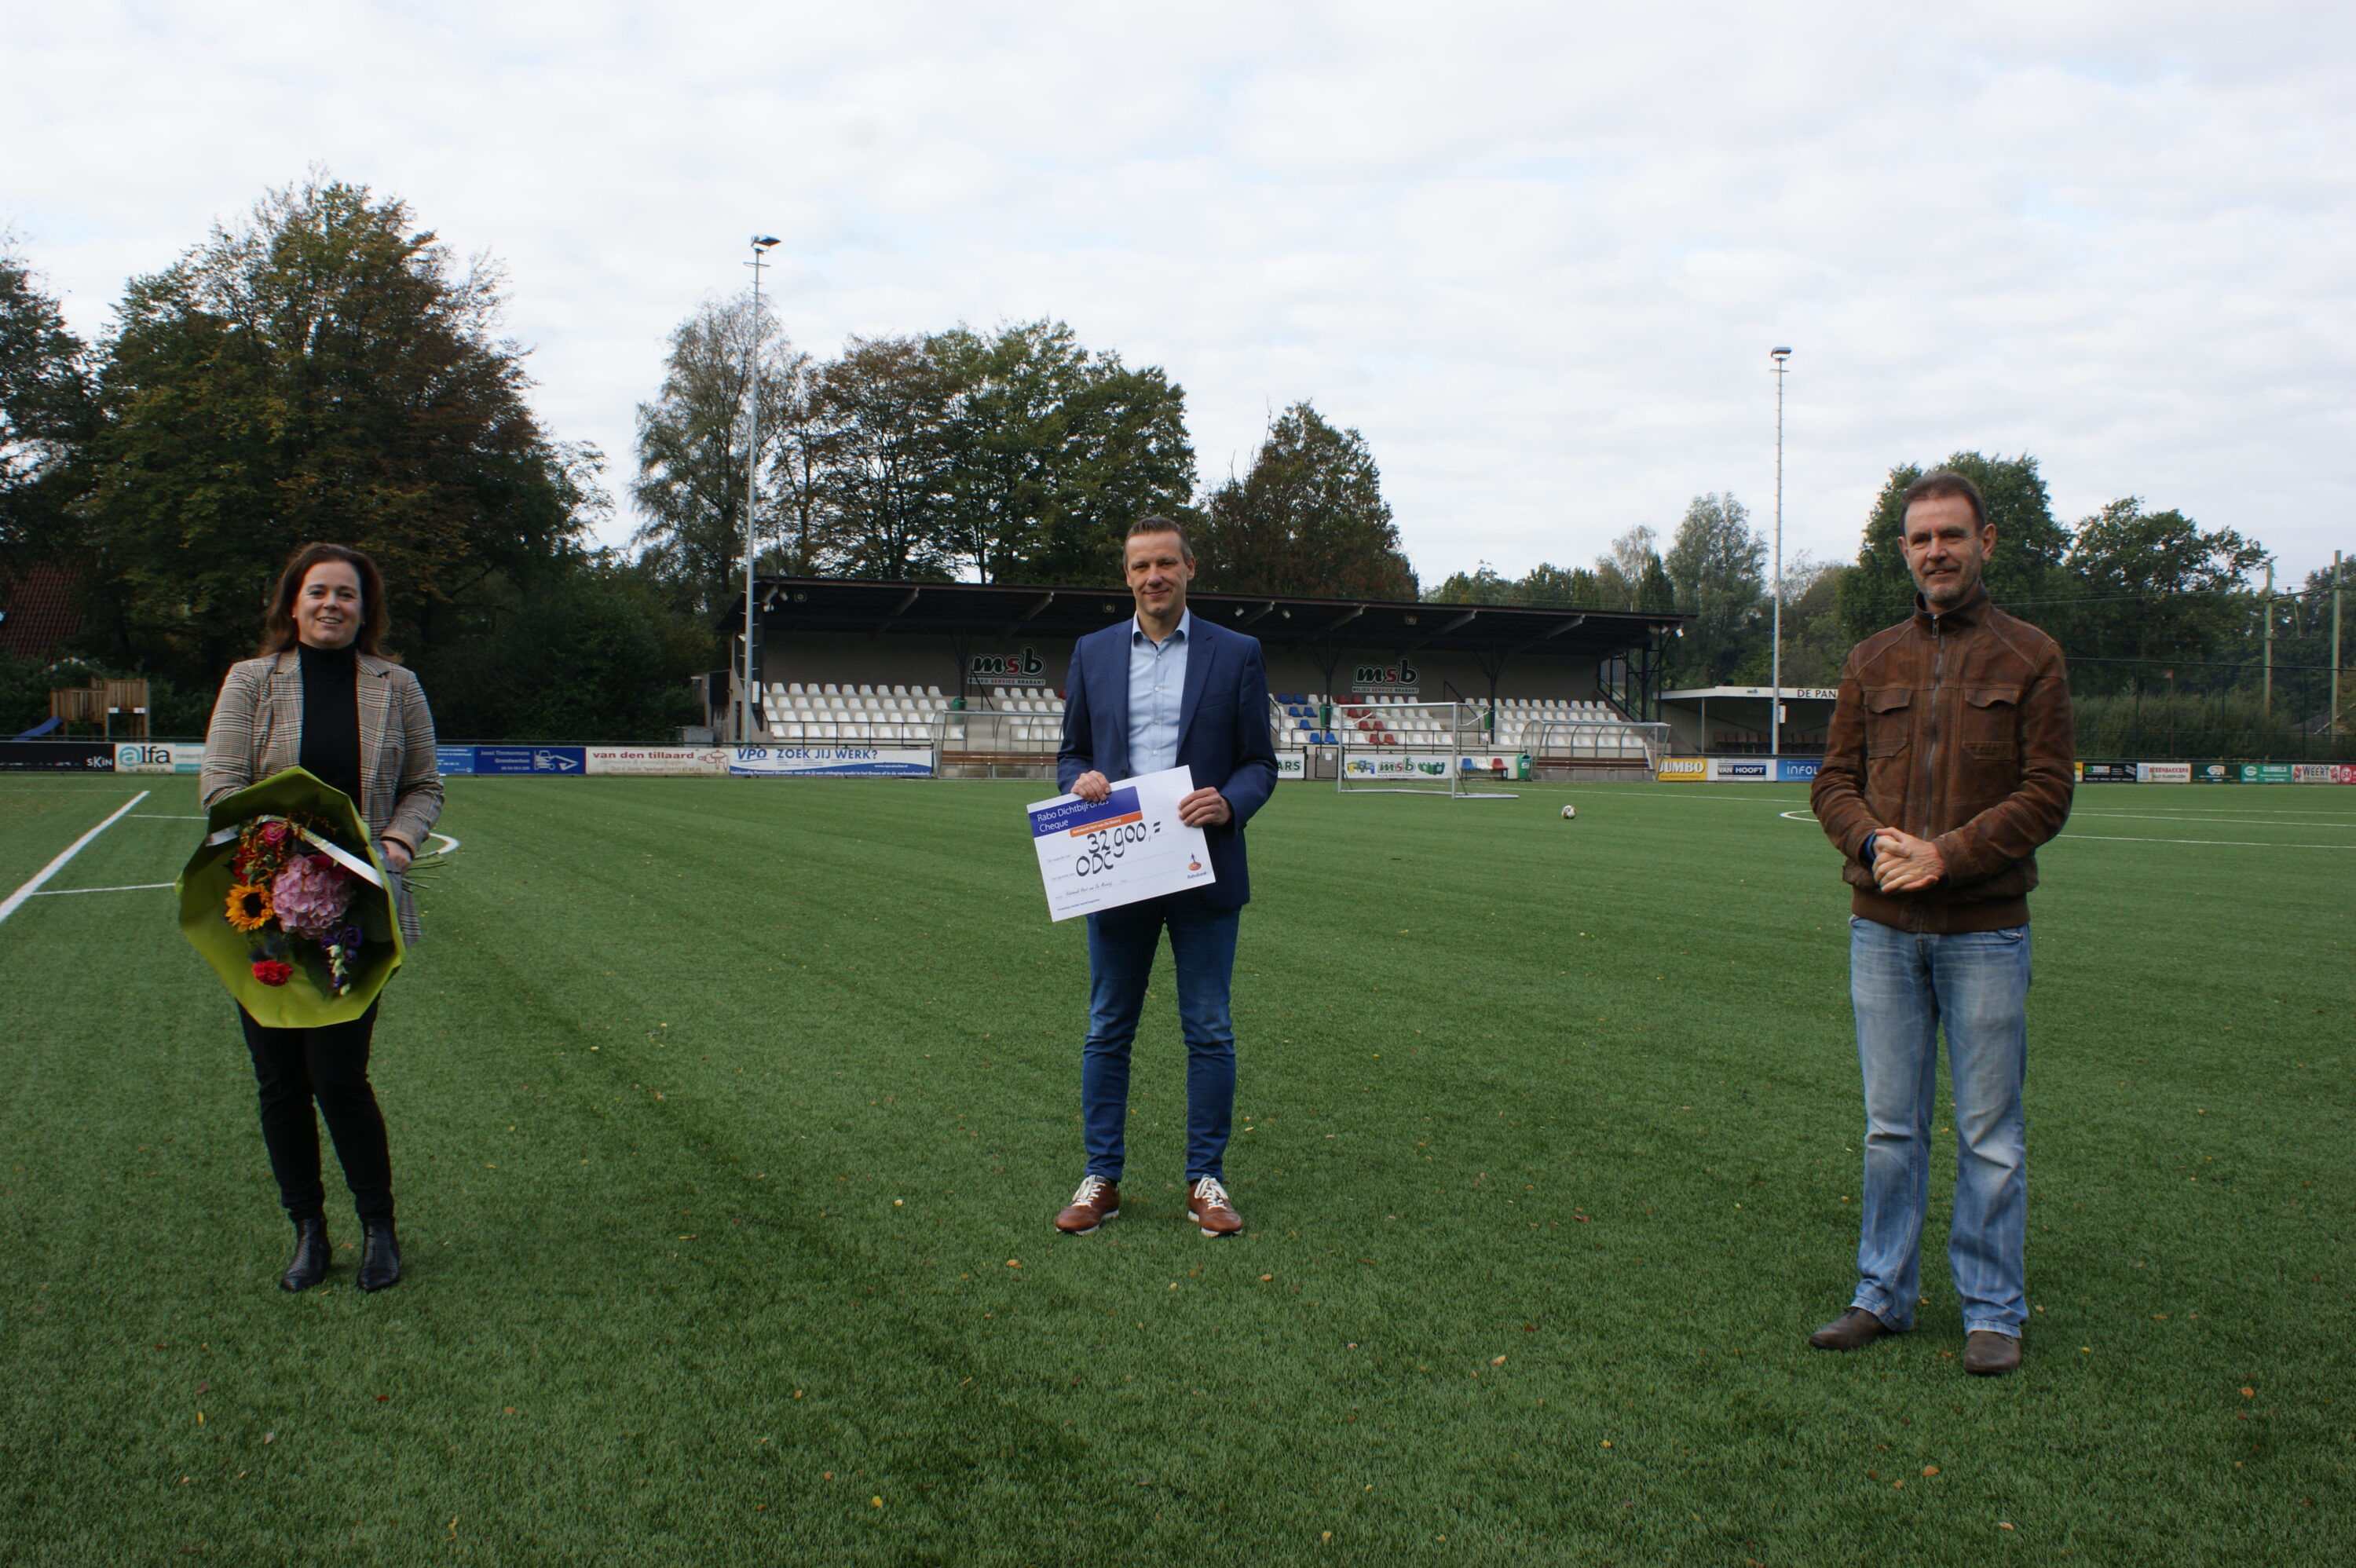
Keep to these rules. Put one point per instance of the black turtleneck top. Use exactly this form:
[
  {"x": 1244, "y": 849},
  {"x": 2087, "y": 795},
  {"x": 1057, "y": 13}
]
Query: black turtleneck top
[{"x": 331, "y": 717}]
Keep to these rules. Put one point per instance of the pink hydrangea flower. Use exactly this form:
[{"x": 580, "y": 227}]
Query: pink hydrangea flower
[{"x": 311, "y": 896}]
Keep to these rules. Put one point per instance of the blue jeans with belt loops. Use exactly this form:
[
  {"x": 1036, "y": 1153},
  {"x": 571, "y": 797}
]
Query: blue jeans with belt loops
[
  {"x": 1121, "y": 944},
  {"x": 1904, "y": 986}
]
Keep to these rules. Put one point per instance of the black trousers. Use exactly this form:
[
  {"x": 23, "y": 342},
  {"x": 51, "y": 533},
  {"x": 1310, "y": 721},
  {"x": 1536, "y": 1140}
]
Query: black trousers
[{"x": 296, "y": 1066}]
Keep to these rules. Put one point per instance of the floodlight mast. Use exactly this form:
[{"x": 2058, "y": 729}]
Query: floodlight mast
[
  {"x": 1775, "y": 657},
  {"x": 762, "y": 244}
]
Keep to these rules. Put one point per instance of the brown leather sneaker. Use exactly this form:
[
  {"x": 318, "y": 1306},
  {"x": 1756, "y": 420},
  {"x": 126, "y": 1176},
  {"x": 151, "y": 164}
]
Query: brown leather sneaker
[
  {"x": 1207, "y": 1201},
  {"x": 1095, "y": 1201},
  {"x": 1988, "y": 1354},
  {"x": 1852, "y": 1330}
]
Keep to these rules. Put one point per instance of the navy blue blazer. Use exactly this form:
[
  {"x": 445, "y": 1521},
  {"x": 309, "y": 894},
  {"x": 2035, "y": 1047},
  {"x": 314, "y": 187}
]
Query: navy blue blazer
[{"x": 1222, "y": 732}]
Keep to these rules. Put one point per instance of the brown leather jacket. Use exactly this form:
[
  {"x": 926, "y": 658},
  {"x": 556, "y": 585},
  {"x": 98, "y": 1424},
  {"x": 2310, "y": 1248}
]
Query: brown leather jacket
[{"x": 1953, "y": 728}]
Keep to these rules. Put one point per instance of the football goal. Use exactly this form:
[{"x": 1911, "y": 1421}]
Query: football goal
[{"x": 1411, "y": 748}]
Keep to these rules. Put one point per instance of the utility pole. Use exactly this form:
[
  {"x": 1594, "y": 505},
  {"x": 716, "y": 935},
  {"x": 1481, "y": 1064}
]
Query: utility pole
[
  {"x": 2269, "y": 613},
  {"x": 2335, "y": 643},
  {"x": 1775, "y": 657},
  {"x": 750, "y": 690}
]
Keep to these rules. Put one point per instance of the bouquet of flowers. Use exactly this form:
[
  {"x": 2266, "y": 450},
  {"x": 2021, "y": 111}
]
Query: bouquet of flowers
[{"x": 287, "y": 900}]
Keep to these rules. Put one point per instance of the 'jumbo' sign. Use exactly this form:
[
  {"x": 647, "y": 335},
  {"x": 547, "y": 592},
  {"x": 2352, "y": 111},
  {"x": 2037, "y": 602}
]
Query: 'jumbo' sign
[
  {"x": 1025, "y": 669},
  {"x": 1401, "y": 677}
]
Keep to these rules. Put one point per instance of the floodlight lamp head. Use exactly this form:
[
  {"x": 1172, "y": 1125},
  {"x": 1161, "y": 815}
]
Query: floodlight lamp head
[
  {"x": 1779, "y": 355},
  {"x": 764, "y": 241}
]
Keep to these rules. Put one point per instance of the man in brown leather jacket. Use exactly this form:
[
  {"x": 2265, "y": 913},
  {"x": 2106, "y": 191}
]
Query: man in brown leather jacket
[{"x": 1948, "y": 762}]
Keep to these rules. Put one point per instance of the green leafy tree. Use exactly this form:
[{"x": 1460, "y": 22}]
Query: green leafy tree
[
  {"x": 322, "y": 371},
  {"x": 47, "y": 411},
  {"x": 1309, "y": 518},
  {"x": 1057, "y": 451},
  {"x": 694, "y": 460},
  {"x": 890, "y": 471},
  {"x": 2025, "y": 575},
  {"x": 1483, "y": 585},
  {"x": 1717, "y": 568},
  {"x": 2152, "y": 586}
]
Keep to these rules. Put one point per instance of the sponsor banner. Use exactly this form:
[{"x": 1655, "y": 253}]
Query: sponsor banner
[
  {"x": 2163, "y": 773},
  {"x": 2107, "y": 773},
  {"x": 1741, "y": 770},
  {"x": 2319, "y": 772},
  {"x": 1020, "y": 667},
  {"x": 1400, "y": 679},
  {"x": 2213, "y": 772},
  {"x": 1683, "y": 770},
  {"x": 1387, "y": 763},
  {"x": 160, "y": 757},
  {"x": 831, "y": 761},
  {"x": 1795, "y": 770},
  {"x": 2265, "y": 773},
  {"x": 454, "y": 759},
  {"x": 531, "y": 760},
  {"x": 1292, "y": 764},
  {"x": 671, "y": 761},
  {"x": 57, "y": 756}
]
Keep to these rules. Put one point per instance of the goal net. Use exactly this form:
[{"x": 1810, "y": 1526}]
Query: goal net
[
  {"x": 1580, "y": 745},
  {"x": 1413, "y": 748}
]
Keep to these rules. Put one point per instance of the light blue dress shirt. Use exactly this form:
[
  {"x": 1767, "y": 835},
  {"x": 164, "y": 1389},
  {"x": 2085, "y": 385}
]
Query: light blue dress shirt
[{"x": 1157, "y": 685}]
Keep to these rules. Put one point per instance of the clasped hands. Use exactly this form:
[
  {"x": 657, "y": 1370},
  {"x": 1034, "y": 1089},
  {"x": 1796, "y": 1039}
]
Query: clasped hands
[
  {"x": 1197, "y": 808},
  {"x": 1903, "y": 863}
]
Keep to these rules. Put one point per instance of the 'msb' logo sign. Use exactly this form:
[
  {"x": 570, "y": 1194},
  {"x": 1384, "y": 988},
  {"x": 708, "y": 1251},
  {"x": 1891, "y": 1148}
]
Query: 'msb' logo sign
[
  {"x": 1024, "y": 666},
  {"x": 1400, "y": 677}
]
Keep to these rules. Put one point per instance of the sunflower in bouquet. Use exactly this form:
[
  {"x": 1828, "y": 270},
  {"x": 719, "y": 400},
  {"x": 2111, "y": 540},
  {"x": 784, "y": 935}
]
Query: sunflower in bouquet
[{"x": 286, "y": 896}]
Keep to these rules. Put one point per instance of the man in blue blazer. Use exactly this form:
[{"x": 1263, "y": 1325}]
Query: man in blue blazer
[{"x": 1157, "y": 690}]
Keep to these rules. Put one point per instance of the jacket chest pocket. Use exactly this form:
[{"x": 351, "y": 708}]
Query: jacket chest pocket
[
  {"x": 1992, "y": 721},
  {"x": 1888, "y": 715}
]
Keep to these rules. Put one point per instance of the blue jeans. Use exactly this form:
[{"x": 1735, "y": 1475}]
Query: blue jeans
[
  {"x": 1904, "y": 984},
  {"x": 1121, "y": 944}
]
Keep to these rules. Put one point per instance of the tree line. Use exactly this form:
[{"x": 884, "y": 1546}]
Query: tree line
[{"x": 327, "y": 368}]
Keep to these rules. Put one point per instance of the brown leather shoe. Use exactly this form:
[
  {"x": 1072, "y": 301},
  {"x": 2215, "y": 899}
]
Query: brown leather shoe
[
  {"x": 1095, "y": 1201},
  {"x": 1207, "y": 1201},
  {"x": 1852, "y": 1330},
  {"x": 1988, "y": 1354}
]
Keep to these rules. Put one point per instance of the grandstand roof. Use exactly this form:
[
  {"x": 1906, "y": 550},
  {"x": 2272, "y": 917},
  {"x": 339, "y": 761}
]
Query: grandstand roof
[{"x": 809, "y": 604}]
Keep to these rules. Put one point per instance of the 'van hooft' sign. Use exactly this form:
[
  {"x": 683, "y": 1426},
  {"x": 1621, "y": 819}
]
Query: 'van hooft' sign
[
  {"x": 1023, "y": 668},
  {"x": 1400, "y": 677}
]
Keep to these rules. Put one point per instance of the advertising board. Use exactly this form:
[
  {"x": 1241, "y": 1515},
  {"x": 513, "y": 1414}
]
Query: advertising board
[
  {"x": 531, "y": 760},
  {"x": 159, "y": 756},
  {"x": 709, "y": 762},
  {"x": 1795, "y": 770},
  {"x": 1292, "y": 764},
  {"x": 1741, "y": 770},
  {"x": 2163, "y": 773},
  {"x": 57, "y": 756},
  {"x": 454, "y": 759},
  {"x": 831, "y": 761},
  {"x": 2107, "y": 773},
  {"x": 2265, "y": 773},
  {"x": 1682, "y": 770},
  {"x": 2213, "y": 773},
  {"x": 2319, "y": 772},
  {"x": 1389, "y": 765}
]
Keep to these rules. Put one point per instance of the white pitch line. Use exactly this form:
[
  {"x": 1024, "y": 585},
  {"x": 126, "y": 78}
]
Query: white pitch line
[
  {"x": 54, "y": 867},
  {"x": 448, "y": 843},
  {"x": 159, "y": 817},
  {"x": 2228, "y": 843},
  {"x": 2211, "y": 821},
  {"x": 129, "y": 888}
]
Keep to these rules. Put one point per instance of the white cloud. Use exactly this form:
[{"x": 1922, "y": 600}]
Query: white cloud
[{"x": 1537, "y": 253}]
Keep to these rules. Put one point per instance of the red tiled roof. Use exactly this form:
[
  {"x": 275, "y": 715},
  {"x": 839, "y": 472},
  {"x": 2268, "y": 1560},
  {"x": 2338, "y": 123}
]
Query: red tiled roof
[{"x": 39, "y": 609}]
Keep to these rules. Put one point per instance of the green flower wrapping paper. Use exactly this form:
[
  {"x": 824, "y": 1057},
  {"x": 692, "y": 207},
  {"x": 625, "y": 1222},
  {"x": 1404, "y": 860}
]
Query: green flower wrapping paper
[{"x": 303, "y": 967}]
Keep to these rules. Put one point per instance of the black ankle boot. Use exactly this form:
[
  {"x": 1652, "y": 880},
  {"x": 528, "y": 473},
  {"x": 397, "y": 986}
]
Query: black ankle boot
[
  {"x": 380, "y": 1255},
  {"x": 311, "y": 1254}
]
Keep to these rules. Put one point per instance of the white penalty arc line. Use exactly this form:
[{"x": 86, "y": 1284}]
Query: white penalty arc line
[
  {"x": 76, "y": 848},
  {"x": 127, "y": 887}
]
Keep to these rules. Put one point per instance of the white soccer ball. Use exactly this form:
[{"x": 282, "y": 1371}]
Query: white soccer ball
[{"x": 1568, "y": 811}]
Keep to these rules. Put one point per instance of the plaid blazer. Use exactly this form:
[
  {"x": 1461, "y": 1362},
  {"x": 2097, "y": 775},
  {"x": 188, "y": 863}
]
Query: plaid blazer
[{"x": 257, "y": 731}]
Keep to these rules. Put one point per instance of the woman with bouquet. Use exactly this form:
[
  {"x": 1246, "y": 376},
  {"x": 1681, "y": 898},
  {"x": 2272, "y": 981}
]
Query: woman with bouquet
[{"x": 322, "y": 696}]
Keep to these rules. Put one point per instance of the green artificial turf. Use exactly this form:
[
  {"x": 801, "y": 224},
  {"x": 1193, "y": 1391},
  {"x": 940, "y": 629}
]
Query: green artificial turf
[{"x": 729, "y": 1118}]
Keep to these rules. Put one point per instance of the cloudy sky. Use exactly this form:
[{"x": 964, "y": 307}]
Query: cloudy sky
[{"x": 1537, "y": 253}]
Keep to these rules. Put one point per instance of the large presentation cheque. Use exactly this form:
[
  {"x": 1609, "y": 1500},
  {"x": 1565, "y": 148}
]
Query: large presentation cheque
[{"x": 1126, "y": 846}]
